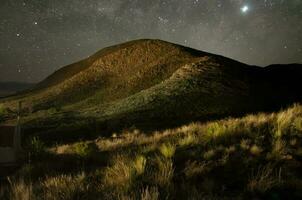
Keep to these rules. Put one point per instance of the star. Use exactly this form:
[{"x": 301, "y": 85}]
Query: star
[
  {"x": 244, "y": 9},
  {"x": 35, "y": 23}
]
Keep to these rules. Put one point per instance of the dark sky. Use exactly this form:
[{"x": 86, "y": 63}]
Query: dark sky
[{"x": 39, "y": 36}]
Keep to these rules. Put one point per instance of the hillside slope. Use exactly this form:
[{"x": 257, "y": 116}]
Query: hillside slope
[
  {"x": 10, "y": 88},
  {"x": 152, "y": 83},
  {"x": 253, "y": 157}
]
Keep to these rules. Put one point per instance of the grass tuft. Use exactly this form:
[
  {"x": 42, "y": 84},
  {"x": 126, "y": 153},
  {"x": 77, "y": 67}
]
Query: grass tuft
[{"x": 167, "y": 150}]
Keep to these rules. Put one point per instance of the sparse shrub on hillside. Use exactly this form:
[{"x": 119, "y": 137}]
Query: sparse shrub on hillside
[
  {"x": 279, "y": 150},
  {"x": 208, "y": 155},
  {"x": 164, "y": 173},
  {"x": 64, "y": 187},
  {"x": 195, "y": 169},
  {"x": 140, "y": 164},
  {"x": 245, "y": 144},
  {"x": 51, "y": 111},
  {"x": 167, "y": 150},
  {"x": 20, "y": 190},
  {"x": 36, "y": 147},
  {"x": 215, "y": 129},
  {"x": 85, "y": 149},
  {"x": 284, "y": 122},
  {"x": 298, "y": 124},
  {"x": 218, "y": 130},
  {"x": 150, "y": 193},
  {"x": 256, "y": 150},
  {"x": 3, "y": 111},
  {"x": 187, "y": 140},
  {"x": 120, "y": 175},
  {"x": 264, "y": 179}
]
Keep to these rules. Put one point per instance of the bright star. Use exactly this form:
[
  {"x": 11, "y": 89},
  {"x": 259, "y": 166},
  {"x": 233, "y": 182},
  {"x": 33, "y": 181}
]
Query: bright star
[{"x": 244, "y": 9}]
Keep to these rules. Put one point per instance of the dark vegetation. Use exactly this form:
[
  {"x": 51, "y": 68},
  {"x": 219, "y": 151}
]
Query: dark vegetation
[
  {"x": 10, "y": 88},
  {"x": 257, "y": 156}
]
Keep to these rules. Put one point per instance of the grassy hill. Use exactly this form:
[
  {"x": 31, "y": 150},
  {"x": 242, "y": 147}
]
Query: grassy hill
[
  {"x": 153, "y": 120},
  {"x": 253, "y": 157},
  {"x": 150, "y": 84}
]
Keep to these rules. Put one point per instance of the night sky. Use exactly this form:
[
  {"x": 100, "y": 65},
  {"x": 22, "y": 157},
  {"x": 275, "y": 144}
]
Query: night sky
[{"x": 38, "y": 37}]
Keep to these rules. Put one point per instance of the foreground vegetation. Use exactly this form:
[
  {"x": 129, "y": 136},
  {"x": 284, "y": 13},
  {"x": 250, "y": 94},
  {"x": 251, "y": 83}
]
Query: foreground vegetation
[{"x": 257, "y": 156}]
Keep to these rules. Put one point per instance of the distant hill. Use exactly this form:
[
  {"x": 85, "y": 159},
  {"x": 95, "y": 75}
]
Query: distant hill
[
  {"x": 9, "y": 88},
  {"x": 153, "y": 83}
]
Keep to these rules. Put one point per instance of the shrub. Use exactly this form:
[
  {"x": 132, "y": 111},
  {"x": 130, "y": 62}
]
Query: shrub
[
  {"x": 85, "y": 149},
  {"x": 194, "y": 168},
  {"x": 187, "y": 140},
  {"x": 167, "y": 150},
  {"x": 3, "y": 112},
  {"x": 2, "y": 109},
  {"x": 64, "y": 187},
  {"x": 36, "y": 147},
  {"x": 216, "y": 129},
  {"x": 208, "y": 155},
  {"x": 120, "y": 175},
  {"x": 165, "y": 171},
  {"x": 256, "y": 150},
  {"x": 19, "y": 190},
  {"x": 150, "y": 193},
  {"x": 279, "y": 148},
  {"x": 140, "y": 164},
  {"x": 264, "y": 179},
  {"x": 298, "y": 124},
  {"x": 245, "y": 144},
  {"x": 283, "y": 122}
]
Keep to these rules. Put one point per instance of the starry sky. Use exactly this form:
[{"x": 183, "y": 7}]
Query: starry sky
[{"x": 38, "y": 37}]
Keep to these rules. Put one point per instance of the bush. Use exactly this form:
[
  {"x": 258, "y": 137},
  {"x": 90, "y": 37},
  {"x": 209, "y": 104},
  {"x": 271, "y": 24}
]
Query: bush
[
  {"x": 3, "y": 111},
  {"x": 140, "y": 164},
  {"x": 64, "y": 187},
  {"x": 85, "y": 150},
  {"x": 165, "y": 171},
  {"x": 298, "y": 124},
  {"x": 121, "y": 174},
  {"x": 36, "y": 147},
  {"x": 167, "y": 150},
  {"x": 264, "y": 179},
  {"x": 187, "y": 140}
]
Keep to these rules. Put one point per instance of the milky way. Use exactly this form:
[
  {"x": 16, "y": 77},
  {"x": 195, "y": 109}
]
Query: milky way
[{"x": 38, "y": 37}]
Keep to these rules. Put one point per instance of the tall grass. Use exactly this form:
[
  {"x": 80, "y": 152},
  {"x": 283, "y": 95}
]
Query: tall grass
[{"x": 231, "y": 158}]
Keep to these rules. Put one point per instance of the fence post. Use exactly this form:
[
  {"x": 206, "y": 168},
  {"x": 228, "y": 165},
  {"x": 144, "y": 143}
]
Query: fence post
[{"x": 17, "y": 135}]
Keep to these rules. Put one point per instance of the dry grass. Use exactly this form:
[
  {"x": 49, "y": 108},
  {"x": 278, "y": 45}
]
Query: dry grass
[
  {"x": 150, "y": 194},
  {"x": 264, "y": 179},
  {"x": 120, "y": 174},
  {"x": 197, "y": 161},
  {"x": 20, "y": 190},
  {"x": 164, "y": 173},
  {"x": 64, "y": 187},
  {"x": 167, "y": 150}
]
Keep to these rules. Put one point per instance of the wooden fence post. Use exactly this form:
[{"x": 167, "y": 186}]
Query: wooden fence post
[{"x": 17, "y": 135}]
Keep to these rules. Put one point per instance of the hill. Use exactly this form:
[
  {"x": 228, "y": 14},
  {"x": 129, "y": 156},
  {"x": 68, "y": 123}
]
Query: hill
[
  {"x": 151, "y": 84},
  {"x": 10, "y": 88}
]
